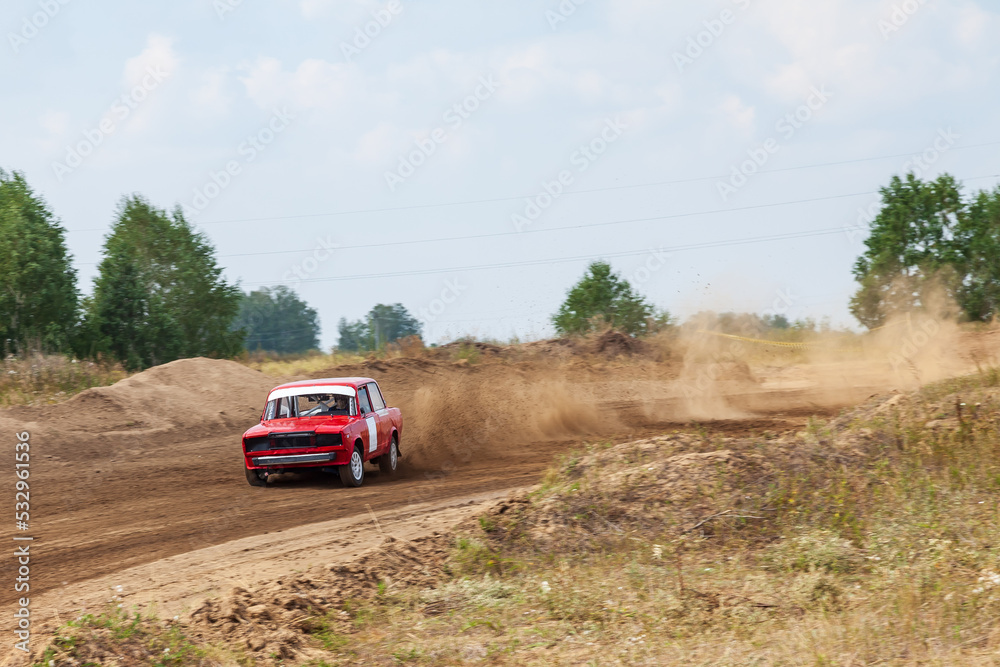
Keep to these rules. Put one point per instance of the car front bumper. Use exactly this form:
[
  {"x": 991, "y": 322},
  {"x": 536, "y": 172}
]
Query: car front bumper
[
  {"x": 293, "y": 459},
  {"x": 275, "y": 459}
]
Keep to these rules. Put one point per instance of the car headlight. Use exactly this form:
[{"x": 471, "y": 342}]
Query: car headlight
[
  {"x": 257, "y": 444},
  {"x": 329, "y": 439}
]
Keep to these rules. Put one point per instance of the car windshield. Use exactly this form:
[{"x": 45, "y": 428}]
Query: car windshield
[{"x": 319, "y": 405}]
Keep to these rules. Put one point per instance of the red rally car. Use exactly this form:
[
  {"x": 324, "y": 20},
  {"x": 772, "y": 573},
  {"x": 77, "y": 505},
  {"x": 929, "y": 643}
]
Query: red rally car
[{"x": 335, "y": 424}]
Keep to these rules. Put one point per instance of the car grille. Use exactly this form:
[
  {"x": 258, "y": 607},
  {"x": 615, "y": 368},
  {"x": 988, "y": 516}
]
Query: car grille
[
  {"x": 300, "y": 440},
  {"x": 291, "y": 440}
]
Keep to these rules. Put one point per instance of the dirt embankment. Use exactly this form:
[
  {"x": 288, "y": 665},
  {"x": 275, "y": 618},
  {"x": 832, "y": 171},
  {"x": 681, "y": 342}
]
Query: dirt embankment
[{"x": 150, "y": 467}]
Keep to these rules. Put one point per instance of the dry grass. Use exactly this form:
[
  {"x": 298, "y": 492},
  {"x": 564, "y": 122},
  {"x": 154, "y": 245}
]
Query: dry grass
[
  {"x": 281, "y": 366},
  {"x": 121, "y": 638},
  {"x": 37, "y": 378},
  {"x": 877, "y": 543},
  {"x": 869, "y": 539}
]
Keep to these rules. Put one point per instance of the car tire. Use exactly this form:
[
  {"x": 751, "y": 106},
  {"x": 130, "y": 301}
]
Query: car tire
[
  {"x": 388, "y": 462},
  {"x": 253, "y": 477},
  {"x": 353, "y": 474}
]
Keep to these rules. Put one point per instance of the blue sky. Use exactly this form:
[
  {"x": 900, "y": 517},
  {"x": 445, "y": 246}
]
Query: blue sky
[{"x": 469, "y": 159}]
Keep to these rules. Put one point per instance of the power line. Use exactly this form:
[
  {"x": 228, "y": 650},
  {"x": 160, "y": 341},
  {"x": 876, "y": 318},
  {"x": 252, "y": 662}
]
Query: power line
[
  {"x": 546, "y": 229},
  {"x": 561, "y": 260},
  {"x": 558, "y": 229},
  {"x": 467, "y": 237},
  {"x": 565, "y": 193},
  {"x": 672, "y": 216},
  {"x": 579, "y": 192}
]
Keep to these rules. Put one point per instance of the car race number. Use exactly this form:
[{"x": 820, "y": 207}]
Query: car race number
[{"x": 372, "y": 434}]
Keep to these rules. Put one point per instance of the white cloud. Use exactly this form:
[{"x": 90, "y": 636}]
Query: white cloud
[
  {"x": 314, "y": 84},
  {"x": 158, "y": 56},
  {"x": 210, "y": 96},
  {"x": 738, "y": 115},
  {"x": 55, "y": 124},
  {"x": 970, "y": 25},
  {"x": 342, "y": 9},
  {"x": 380, "y": 144}
]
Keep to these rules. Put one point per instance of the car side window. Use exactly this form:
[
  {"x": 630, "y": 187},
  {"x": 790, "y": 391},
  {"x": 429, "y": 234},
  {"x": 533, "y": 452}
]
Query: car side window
[
  {"x": 376, "y": 396},
  {"x": 284, "y": 408},
  {"x": 366, "y": 405}
]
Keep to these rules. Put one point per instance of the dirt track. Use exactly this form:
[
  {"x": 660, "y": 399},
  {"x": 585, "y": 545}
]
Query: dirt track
[{"x": 149, "y": 468}]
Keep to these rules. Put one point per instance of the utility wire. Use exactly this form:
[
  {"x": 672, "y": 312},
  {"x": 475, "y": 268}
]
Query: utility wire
[
  {"x": 672, "y": 216},
  {"x": 560, "y": 260},
  {"x": 580, "y": 192},
  {"x": 467, "y": 237},
  {"x": 565, "y": 193}
]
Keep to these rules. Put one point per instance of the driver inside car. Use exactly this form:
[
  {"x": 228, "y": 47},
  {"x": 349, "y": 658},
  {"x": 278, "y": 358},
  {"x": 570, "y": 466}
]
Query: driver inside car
[{"x": 339, "y": 405}]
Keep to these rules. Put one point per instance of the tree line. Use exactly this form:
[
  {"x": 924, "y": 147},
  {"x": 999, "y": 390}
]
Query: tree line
[
  {"x": 159, "y": 293},
  {"x": 930, "y": 246}
]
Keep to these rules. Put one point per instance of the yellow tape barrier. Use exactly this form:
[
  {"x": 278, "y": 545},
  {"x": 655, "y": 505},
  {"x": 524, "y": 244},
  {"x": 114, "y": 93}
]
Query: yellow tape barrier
[{"x": 759, "y": 341}]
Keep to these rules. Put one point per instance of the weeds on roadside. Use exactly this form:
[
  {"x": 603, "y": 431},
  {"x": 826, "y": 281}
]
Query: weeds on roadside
[
  {"x": 117, "y": 634},
  {"x": 49, "y": 378},
  {"x": 874, "y": 539}
]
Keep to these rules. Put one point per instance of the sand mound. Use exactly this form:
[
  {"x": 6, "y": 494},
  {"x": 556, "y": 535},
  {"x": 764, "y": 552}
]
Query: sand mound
[
  {"x": 197, "y": 396},
  {"x": 614, "y": 343}
]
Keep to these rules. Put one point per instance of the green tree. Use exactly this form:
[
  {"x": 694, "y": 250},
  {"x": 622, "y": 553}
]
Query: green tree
[
  {"x": 776, "y": 321},
  {"x": 160, "y": 285},
  {"x": 911, "y": 249},
  {"x": 275, "y": 319},
  {"x": 38, "y": 293},
  {"x": 129, "y": 319},
  {"x": 389, "y": 323},
  {"x": 353, "y": 336},
  {"x": 603, "y": 296},
  {"x": 384, "y": 324},
  {"x": 976, "y": 257}
]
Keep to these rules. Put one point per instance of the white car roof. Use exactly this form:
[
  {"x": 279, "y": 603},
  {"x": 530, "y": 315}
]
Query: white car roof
[{"x": 310, "y": 390}]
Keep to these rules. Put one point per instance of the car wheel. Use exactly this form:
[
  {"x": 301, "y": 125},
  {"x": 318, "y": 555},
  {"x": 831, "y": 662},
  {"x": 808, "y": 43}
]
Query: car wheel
[
  {"x": 253, "y": 477},
  {"x": 353, "y": 474},
  {"x": 387, "y": 462}
]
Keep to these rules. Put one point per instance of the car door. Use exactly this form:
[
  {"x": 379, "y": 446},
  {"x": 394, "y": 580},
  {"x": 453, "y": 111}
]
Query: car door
[
  {"x": 382, "y": 413},
  {"x": 371, "y": 419}
]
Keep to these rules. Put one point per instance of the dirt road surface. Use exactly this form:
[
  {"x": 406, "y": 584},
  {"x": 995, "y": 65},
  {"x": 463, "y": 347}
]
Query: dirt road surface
[{"x": 142, "y": 483}]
